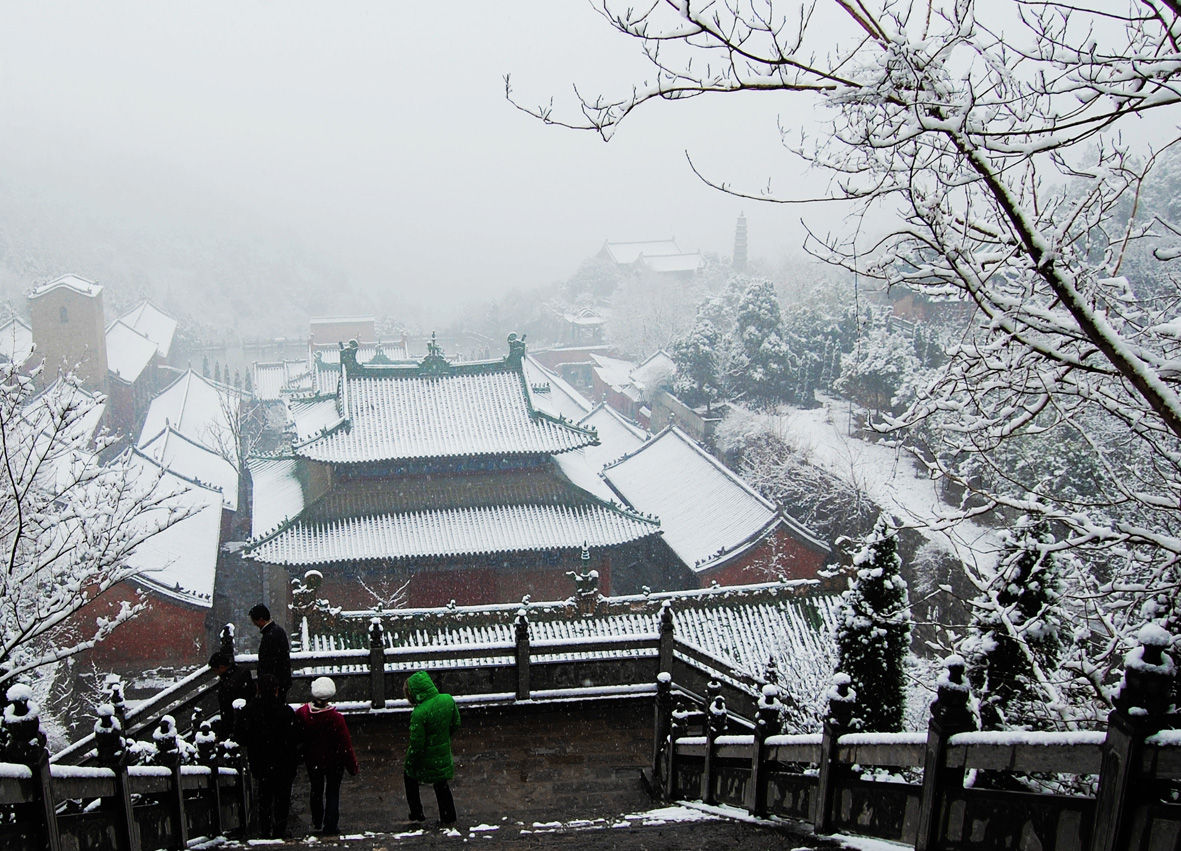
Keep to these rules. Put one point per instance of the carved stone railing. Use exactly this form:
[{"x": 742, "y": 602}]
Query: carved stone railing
[{"x": 910, "y": 787}]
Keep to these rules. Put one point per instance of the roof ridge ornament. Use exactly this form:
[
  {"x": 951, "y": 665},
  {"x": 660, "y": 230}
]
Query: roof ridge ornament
[
  {"x": 516, "y": 350},
  {"x": 435, "y": 363}
]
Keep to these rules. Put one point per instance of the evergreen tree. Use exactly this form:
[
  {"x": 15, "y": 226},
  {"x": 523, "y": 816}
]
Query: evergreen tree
[
  {"x": 217, "y": 371},
  {"x": 696, "y": 356},
  {"x": 763, "y": 369},
  {"x": 205, "y": 365},
  {"x": 1017, "y": 629},
  {"x": 873, "y": 631}
]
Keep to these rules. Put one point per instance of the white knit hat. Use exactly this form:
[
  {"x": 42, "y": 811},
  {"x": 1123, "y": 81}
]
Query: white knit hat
[{"x": 323, "y": 688}]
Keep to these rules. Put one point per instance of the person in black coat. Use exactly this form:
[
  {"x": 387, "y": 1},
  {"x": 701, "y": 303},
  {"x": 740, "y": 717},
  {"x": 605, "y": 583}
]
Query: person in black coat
[
  {"x": 233, "y": 682},
  {"x": 271, "y": 740},
  {"x": 274, "y": 650}
]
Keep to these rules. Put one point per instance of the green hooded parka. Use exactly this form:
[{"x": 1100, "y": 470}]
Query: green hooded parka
[{"x": 434, "y": 719}]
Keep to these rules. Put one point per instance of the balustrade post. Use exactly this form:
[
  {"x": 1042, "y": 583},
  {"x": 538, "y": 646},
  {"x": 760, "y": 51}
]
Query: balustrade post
[
  {"x": 226, "y": 637},
  {"x": 664, "y": 709},
  {"x": 376, "y": 664},
  {"x": 842, "y": 700},
  {"x": 666, "y": 637},
  {"x": 715, "y": 725},
  {"x": 949, "y": 715},
  {"x": 767, "y": 723},
  {"x": 207, "y": 754},
  {"x": 677, "y": 729},
  {"x": 112, "y": 753},
  {"x": 26, "y": 746},
  {"x": 168, "y": 754},
  {"x": 1140, "y": 708},
  {"x": 113, "y": 691},
  {"x": 522, "y": 636},
  {"x": 234, "y": 754}
]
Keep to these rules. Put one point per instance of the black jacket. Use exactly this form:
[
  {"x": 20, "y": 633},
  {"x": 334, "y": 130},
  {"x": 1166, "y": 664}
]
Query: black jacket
[
  {"x": 274, "y": 654},
  {"x": 235, "y": 683},
  {"x": 270, "y": 737}
]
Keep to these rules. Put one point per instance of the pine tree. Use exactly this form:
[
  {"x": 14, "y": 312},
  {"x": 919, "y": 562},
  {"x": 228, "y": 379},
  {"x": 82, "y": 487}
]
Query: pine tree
[
  {"x": 696, "y": 356},
  {"x": 764, "y": 367},
  {"x": 217, "y": 372},
  {"x": 1017, "y": 629},
  {"x": 205, "y": 365},
  {"x": 873, "y": 631}
]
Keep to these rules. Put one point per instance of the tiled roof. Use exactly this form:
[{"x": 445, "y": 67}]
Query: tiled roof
[
  {"x": 73, "y": 282},
  {"x": 278, "y": 494},
  {"x": 617, "y": 437},
  {"x": 746, "y": 625},
  {"x": 658, "y": 368},
  {"x": 181, "y": 561},
  {"x": 626, "y": 253},
  {"x": 452, "y": 532},
  {"x": 613, "y": 371},
  {"x": 706, "y": 511},
  {"x": 404, "y": 415},
  {"x": 194, "y": 462},
  {"x": 269, "y": 380},
  {"x": 16, "y": 341},
  {"x": 153, "y": 323},
  {"x": 128, "y": 351},
  {"x": 196, "y": 407},
  {"x": 687, "y": 262},
  {"x": 311, "y": 417},
  {"x": 551, "y": 394}
]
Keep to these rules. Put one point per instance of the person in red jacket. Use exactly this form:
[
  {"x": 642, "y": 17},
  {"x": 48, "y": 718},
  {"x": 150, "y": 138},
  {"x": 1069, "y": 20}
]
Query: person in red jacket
[{"x": 328, "y": 753}]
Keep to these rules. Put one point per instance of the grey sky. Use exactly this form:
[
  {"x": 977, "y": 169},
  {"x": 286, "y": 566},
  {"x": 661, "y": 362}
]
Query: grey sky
[{"x": 376, "y": 133}]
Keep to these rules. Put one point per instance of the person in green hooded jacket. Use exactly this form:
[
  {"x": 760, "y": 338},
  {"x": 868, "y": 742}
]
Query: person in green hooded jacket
[{"x": 428, "y": 755}]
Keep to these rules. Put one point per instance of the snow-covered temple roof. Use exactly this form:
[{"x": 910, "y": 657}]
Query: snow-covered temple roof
[
  {"x": 270, "y": 380},
  {"x": 194, "y": 462},
  {"x": 181, "y": 561},
  {"x": 196, "y": 407},
  {"x": 462, "y": 531},
  {"x": 746, "y": 625},
  {"x": 626, "y": 253},
  {"x": 437, "y": 410},
  {"x": 706, "y": 511},
  {"x": 617, "y": 437},
  {"x": 552, "y": 394},
  {"x": 278, "y": 493},
  {"x": 73, "y": 282},
  {"x": 16, "y": 341},
  {"x": 153, "y": 323},
  {"x": 128, "y": 351}
]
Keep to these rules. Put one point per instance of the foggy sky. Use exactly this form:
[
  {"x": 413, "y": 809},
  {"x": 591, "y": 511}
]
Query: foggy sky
[{"x": 377, "y": 134}]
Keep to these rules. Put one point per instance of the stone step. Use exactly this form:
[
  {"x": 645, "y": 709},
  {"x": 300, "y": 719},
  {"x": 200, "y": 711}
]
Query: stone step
[{"x": 673, "y": 827}]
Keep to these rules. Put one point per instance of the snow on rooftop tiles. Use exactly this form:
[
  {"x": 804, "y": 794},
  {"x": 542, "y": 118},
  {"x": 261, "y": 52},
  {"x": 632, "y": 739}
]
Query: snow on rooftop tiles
[
  {"x": 702, "y": 506},
  {"x": 194, "y": 462},
  {"x": 626, "y": 253},
  {"x": 16, "y": 341},
  {"x": 552, "y": 394},
  {"x": 181, "y": 561},
  {"x": 128, "y": 351},
  {"x": 613, "y": 371},
  {"x": 153, "y": 323},
  {"x": 451, "y": 532},
  {"x": 688, "y": 262},
  {"x": 73, "y": 282},
  {"x": 269, "y": 380},
  {"x": 196, "y": 407},
  {"x": 746, "y": 625},
  {"x": 406, "y": 415},
  {"x": 617, "y": 437},
  {"x": 278, "y": 494},
  {"x": 310, "y": 417}
]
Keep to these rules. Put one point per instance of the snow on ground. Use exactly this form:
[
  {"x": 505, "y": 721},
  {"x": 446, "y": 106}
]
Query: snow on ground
[{"x": 887, "y": 474}]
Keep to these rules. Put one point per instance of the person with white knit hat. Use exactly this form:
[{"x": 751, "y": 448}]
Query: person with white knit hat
[{"x": 328, "y": 753}]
